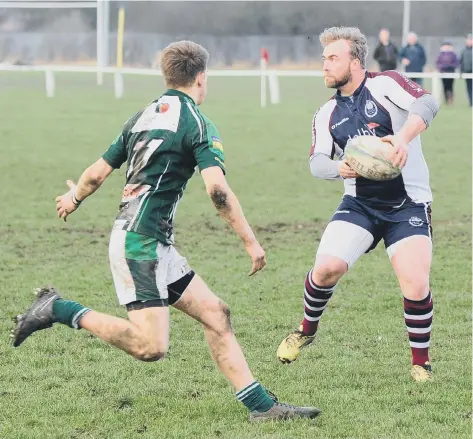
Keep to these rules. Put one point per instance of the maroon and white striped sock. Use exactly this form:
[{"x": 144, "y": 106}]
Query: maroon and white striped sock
[
  {"x": 315, "y": 301},
  {"x": 418, "y": 315}
]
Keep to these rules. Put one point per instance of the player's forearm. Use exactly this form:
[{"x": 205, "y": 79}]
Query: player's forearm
[
  {"x": 88, "y": 183},
  {"x": 413, "y": 126},
  {"x": 230, "y": 210}
]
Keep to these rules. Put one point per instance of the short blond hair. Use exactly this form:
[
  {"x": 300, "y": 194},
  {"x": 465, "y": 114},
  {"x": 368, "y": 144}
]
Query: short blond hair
[
  {"x": 182, "y": 61},
  {"x": 358, "y": 44}
]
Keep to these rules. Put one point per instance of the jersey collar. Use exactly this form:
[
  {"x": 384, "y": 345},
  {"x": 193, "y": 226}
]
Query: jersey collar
[
  {"x": 174, "y": 92},
  {"x": 341, "y": 98}
]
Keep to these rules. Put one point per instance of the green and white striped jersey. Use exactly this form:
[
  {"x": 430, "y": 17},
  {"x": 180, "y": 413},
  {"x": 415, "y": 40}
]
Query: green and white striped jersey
[{"x": 162, "y": 145}]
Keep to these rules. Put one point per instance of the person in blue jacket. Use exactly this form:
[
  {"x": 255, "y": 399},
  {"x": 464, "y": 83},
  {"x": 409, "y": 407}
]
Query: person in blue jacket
[{"x": 413, "y": 57}]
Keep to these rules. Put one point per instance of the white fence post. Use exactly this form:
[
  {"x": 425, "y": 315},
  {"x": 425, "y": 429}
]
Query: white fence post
[
  {"x": 274, "y": 92},
  {"x": 50, "y": 83},
  {"x": 119, "y": 86},
  {"x": 263, "y": 83},
  {"x": 437, "y": 87}
]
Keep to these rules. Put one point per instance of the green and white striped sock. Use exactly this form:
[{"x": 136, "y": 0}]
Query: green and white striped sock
[
  {"x": 68, "y": 312},
  {"x": 255, "y": 397}
]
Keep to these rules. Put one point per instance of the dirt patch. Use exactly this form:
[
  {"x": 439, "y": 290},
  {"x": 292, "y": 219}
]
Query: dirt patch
[
  {"x": 271, "y": 228},
  {"x": 314, "y": 225}
]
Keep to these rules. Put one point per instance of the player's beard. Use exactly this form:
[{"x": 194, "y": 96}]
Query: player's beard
[{"x": 340, "y": 82}]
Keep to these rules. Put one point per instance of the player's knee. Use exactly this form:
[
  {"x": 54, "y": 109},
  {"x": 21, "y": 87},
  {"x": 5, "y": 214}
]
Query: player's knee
[
  {"x": 416, "y": 287},
  {"x": 226, "y": 316},
  {"x": 328, "y": 271},
  {"x": 151, "y": 353},
  {"x": 220, "y": 320}
]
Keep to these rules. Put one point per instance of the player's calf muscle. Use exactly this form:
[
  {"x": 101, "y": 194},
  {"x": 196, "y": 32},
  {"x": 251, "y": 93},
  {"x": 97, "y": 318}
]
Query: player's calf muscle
[
  {"x": 220, "y": 348},
  {"x": 124, "y": 335}
]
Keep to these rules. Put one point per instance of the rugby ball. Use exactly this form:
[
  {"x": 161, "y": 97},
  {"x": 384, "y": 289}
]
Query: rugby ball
[{"x": 368, "y": 156}]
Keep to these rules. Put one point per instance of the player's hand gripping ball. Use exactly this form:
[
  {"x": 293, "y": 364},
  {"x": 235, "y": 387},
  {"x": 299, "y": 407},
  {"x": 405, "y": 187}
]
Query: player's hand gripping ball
[{"x": 368, "y": 157}]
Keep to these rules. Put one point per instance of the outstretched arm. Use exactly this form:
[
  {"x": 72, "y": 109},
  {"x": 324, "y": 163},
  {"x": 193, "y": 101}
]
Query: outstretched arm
[{"x": 228, "y": 206}]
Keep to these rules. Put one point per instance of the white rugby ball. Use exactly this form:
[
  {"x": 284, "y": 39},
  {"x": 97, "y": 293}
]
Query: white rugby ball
[{"x": 368, "y": 156}]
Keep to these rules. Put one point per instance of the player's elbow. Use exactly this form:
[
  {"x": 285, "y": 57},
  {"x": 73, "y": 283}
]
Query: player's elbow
[
  {"x": 98, "y": 172},
  {"x": 220, "y": 196},
  {"x": 322, "y": 166},
  {"x": 425, "y": 107},
  {"x": 94, "y": 178},
  {"x": 314, "y": 168}
]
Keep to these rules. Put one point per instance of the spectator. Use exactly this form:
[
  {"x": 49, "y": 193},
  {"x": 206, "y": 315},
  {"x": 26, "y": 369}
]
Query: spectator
[
  {"x": 447, "y": 62},
  {"x": 466, "y": 61},
  {"x": 386, "y": 52},
  {"x": 413, "y": 56}
]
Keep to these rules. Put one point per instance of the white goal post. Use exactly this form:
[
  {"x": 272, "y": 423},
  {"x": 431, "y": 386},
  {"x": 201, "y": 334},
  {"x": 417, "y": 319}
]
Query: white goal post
[{"x": 103, "y": 21}]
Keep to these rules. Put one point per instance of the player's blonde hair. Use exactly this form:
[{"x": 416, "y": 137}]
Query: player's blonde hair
[
  {"x": 182, "y": 61},
  {"x": 358, "y": 44}
]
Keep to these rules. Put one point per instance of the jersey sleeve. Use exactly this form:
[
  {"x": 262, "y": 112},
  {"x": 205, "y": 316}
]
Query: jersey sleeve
[
  {"x": 322, "y": 140},
  {"x": 400, "y": 90},
  {"x": 115, "y": 155},
  {"x": 206, "y": 144}
]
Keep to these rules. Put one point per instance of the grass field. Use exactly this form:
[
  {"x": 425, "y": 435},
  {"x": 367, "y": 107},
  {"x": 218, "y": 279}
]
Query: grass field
[{"x": 67, "y": 384}]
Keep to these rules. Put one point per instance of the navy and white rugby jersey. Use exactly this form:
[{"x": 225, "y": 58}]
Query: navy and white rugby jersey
[{"x": 379, "y": 107}]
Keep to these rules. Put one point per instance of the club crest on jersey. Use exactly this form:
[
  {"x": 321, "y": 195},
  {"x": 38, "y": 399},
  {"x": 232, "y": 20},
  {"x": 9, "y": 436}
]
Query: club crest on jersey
[
  {"x": 162, "y": 108},
  {"x": 371, "y": 109}
]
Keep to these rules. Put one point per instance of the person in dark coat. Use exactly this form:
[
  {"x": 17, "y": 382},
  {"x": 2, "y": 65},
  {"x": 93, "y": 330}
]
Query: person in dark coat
[{"x": 386, "y": 52}]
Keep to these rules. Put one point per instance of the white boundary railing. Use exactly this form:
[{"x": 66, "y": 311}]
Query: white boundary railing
[{"x": 268, "y": 76}]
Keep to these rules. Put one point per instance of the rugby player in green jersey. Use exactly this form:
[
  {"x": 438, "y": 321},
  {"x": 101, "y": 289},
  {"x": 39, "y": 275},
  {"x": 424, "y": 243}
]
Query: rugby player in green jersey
[{"x": 163, "y": 145}]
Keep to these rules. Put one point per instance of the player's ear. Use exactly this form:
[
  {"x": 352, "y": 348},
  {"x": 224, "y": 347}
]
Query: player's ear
[
  {"x": 201, "y": 78},
  {"x": 355, "y": 63}
]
